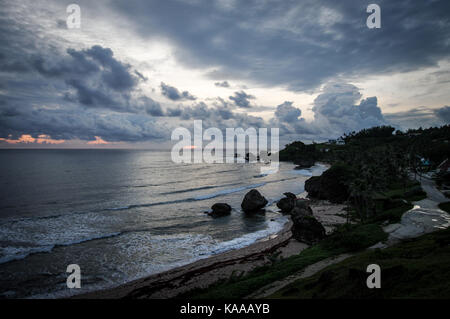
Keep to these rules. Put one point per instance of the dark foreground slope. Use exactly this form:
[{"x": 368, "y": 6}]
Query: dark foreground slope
[{"x": 416, "y": 269}]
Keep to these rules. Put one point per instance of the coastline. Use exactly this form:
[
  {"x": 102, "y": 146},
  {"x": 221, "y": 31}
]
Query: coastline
[{"x": 205, "y": 272}]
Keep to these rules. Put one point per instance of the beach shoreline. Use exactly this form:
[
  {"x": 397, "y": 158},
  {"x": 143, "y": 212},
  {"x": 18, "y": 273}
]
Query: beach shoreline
[
  {"x": 200, "y": 273},
  {"x": 205, "y": 272}
]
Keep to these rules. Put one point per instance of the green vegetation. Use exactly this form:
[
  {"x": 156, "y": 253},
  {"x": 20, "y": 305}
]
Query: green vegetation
[
  {"x": 416, "y": 269},
  {"x": 348, "y": 239},
  {"x": 377, "y": 163},
  {"x": 445, "y": 207}
]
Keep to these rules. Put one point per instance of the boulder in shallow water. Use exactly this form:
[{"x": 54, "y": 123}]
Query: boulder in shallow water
[
  {"x": 220, "y": 209},
  {"x": 253, "y": 201},
  {"x": 303, "y": 163}
]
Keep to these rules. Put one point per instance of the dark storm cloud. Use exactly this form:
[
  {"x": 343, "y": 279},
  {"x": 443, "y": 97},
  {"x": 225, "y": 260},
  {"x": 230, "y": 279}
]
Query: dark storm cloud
[
  {"x": 82, "y": 93},
  {"x": 299, "y": 44},
  {"x": 241, "y": 99},
  {"x": 223, "y": 84},
  {"x": 215, "y": 116},
  {"x": 287, "y": 113},
  {"x": 69, "y": 93},
  {"x": 444, "y": 114},
  {"x": 338, "y": 109},
  {"x": 174, "y": 94},
  {"x": 73, "y": 124},
  {"x": 97, "y": 77},
  {"x": 416, "y": 117}
]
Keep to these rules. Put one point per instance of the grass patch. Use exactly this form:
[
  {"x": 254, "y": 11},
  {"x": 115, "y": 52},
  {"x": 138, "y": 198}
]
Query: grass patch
[
  {"x": 346, "y": 239},
  {"x": 392, "y": 215},
  {"x": 445, "y": 207},
  {"x": 416, "y": 269},
  {"x": 412, "y": 191}
]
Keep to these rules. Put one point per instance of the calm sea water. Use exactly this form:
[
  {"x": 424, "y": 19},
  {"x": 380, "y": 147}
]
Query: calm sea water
[{"x": 122, "y": 215}]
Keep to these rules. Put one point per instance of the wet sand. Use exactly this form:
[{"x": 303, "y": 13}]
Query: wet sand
[{"x": 205, "y": 272}]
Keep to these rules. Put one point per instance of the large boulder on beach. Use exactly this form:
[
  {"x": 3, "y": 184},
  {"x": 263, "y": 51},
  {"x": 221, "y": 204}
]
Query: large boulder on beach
[
  {"x": 307, "y": 229},
  {"x": 253, "y": 201},
  {"x": 301, "y": 211},
  {"x": 303, "y": 203},
  {"x": 290, "y": 195},
  {"x": 220, "y": 209},
  {"x": 287, "y": 203},
  {"x": 303, "y": 163},
  {"x": 331, "y": 185}
]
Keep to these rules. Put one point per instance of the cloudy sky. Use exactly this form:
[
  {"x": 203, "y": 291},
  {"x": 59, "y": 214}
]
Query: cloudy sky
[{"x": 137, "y": 69}]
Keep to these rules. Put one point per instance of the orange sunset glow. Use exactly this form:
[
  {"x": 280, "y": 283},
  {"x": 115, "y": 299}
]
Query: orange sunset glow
[
  {"x": 27, "y": 138},
  {"x": 98, "y": 141}
]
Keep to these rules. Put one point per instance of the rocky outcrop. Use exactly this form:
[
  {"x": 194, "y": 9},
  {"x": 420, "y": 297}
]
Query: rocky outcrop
[
  {"x": 306, "y": 228},
  {"x": 331, "y": 185},
  {"x": 290, "y": 195},
  {"x": 303, "y": 163},
  {"x": 220, "y": 209},
  {"x": 302, "y": 209},
  {"x": 287, "y": 203},
  {"x": 253, "y": 201},
  {"x": 304, "y": 204}
]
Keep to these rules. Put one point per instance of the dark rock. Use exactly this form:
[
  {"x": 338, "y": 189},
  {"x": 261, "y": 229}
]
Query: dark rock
[
  {"x": 312, "y": 186},
  {"x": 307, "y": 229},
  {"x": 287, "y": 203},
  {"x": 253, "y": 201},
  {"x": 301, "y": 211},
  {"x": 290, "y": 195},
  {"x": 303, "y": 203},
  {"x": 302, "y": 208},
  {"x": 303, "y": 163},
  {"x": 331, "y": 185},
  {"x": 220, "y": 209}
]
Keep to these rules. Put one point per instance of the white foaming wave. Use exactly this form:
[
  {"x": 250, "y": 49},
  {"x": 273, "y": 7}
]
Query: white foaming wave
[
  {"x": 137, "y": 251},
  {"x": 11, "y": 253},
  {"x": 17, "y": 252},
  {"x": 21, "y": 238},
  {"x": 267, "y": 173},
  {"x": 248, "y": 239}
]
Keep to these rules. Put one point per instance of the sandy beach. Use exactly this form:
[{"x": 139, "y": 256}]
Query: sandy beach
[{"x": 205, "y": 272}]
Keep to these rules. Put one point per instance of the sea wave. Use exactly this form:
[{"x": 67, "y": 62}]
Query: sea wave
[
  {"x": 17, "y": 252},
  {"x": 250, "y": 238}
]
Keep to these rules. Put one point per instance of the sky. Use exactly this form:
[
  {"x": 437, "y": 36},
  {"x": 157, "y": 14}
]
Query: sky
[{"x": 135, "y": 70}]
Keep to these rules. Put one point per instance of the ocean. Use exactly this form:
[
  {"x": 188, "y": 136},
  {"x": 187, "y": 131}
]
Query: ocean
[{"x": 122, "y": 215}]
